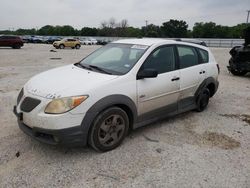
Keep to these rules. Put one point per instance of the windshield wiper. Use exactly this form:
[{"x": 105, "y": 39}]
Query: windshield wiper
[
  {"x": 99, "y": 69},
  {"x": 83, "y": 66}
]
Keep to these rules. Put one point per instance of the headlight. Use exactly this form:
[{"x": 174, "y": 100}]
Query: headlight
[{"x": 62, "y": 105}]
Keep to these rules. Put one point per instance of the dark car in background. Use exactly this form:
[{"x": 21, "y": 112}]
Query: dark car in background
[
  {"x": 51, "y": 40},
  {"x": 11, "y": 41},
  {"x": 239, "y": 63}
]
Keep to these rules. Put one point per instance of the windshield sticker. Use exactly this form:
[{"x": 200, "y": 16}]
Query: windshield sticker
[
  {"x": 127, "y": 65},
  {"x": 139, "y": 47}
]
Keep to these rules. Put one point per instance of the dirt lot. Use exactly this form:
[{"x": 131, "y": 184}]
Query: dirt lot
[{"x": 208, "y": 149}]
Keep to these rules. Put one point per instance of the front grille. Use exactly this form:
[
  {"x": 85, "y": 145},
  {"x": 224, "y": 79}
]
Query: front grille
[
  {"x": 20, "y": 95},
  {"x": 29, "y": 104}
]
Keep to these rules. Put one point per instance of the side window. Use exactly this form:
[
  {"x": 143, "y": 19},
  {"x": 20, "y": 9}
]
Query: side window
[
  {"x": 204, "y": 56},
  {"x": 188, "y": 56},
  {"x": 162, "y": 60}
]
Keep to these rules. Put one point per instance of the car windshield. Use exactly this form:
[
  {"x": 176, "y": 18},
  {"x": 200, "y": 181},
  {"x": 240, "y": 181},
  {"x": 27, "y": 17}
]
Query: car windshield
[{"x": 115, "y": 58}]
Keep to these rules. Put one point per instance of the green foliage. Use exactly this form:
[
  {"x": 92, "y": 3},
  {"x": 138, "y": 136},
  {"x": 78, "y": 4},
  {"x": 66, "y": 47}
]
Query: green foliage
[
  {"x": 170, "y": 29},
  {"x": 151, "y": 31},
  {"x": 174, "y": 29},
  {"x": 87, "y": 31},
  {"x": 211, "y": 30}
]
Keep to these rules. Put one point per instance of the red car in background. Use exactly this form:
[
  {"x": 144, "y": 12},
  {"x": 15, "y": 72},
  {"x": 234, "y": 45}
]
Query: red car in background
[{"x": 11, "y": 41}]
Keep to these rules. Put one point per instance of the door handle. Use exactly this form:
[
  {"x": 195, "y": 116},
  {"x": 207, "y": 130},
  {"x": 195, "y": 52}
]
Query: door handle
[{"x": 175, "y": 78}]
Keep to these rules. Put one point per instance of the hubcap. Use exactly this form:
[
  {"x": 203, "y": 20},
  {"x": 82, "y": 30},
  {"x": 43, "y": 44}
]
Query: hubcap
[{"x": 111, "y": 130}]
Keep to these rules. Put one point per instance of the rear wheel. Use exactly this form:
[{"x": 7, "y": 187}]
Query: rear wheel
[
  {"x": 203, "y": 100},
  {"x": 77, "y": 46},
  {"x": 16, "y": 46},
  {"x": 61, "y": 46},
  {"x": 109, "y": 129}
]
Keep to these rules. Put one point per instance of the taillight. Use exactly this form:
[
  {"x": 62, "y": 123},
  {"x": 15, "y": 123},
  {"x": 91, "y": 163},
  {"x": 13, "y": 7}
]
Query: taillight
[{"x": 218, "y": 67}]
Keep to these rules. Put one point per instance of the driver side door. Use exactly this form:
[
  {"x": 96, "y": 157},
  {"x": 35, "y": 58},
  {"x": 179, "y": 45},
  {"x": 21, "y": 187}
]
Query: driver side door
[{"x": 159, "y": 94}]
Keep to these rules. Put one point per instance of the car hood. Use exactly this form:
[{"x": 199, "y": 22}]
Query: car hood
[{"x": 66, "y": 81}]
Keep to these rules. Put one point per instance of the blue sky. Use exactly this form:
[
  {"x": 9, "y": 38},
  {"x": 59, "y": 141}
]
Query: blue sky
[{"x": 16, "y": 14}]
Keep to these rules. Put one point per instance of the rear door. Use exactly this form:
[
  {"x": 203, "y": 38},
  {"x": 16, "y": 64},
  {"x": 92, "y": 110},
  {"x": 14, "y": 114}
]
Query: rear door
[
  {"x": 192, "y": 73},
  {"x": 69, "y": 43},
  {"x": 159, "y": 94}
]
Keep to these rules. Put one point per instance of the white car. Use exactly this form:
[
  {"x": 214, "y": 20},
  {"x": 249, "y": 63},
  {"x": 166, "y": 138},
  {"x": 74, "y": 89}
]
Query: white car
[
  {"x": 88, "y": 41},
  {"x": 121, "y": 86}
]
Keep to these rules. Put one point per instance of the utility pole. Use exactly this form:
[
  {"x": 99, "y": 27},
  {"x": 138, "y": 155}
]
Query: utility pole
[
  {"x": 146, "y": 22},
  {"x": 248, "y": 12}
]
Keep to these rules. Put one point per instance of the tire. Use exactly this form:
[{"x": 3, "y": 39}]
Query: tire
[
  {"x": 16, "y": 46},
  {"x": 61, "y": 46},
  {"x": 238, "y": 73},
  {"x": 202, "y": 100},
  {"x": 77, "y": 46},
  {"x": 109, "y": 129}
]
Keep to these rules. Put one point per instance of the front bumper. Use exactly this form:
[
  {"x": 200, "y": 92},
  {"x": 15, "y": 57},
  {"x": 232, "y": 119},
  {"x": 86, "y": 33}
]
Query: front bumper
[
  {"x": 241, "y": 66},
  {"x": 74, "y": 136}
]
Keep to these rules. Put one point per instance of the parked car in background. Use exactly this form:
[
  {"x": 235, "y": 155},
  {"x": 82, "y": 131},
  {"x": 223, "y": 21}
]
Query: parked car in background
[
  {"x": 102, "y": 42},
  {"x": 122, "y": 86},
  {"x": 88, "y": 41},
  {"x": 52, "y": 39},
  {"x": 35, "y": 39},
  {"x": 25, "y": 38},
  {"x": 11, "y": 41},
  {"x": 67, "y": 42},
  {"x": 239, "y": 63}
]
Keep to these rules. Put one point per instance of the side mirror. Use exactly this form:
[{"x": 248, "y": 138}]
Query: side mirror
[{"x": 147, "y": 73}]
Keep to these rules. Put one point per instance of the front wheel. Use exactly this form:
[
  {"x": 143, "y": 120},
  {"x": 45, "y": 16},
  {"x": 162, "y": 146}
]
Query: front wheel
[
  {"x": 202, "y": 100},
  {"x": 61, "y": 46},
  {"x": 109, "y": 129}
]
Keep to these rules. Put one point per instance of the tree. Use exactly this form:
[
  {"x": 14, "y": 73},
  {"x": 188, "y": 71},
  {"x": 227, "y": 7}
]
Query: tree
[
  {"x": 151, "y": 31},
  {"x": 87, "y": 31},
  {"x": 174, "y": 29},
  {"x": 46, "y": 30},
  {"x": 67, "y": 30},
  {"x": 204, "y": 30}
]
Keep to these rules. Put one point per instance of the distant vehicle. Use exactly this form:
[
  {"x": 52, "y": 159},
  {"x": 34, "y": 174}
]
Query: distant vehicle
[
  {"x": 102, "y": 42},
  {"x": 11, "y": 41},
  {"x": 36, "y": 39},
  {"x": 88, "y": 41},
  {"x": 67, "y": 42},
  {"x": 25, "y": 39},
  {"x": 120, "y": 87},
  {"x": 239, "y": 63},
  {"x": 51, "y": 40}
]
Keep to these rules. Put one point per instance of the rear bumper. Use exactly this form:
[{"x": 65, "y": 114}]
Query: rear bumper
[{"x": 74, "y": 136}]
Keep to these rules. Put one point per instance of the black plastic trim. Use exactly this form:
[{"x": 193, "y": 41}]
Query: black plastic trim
[
  {"x": 106, "y": 102},
  {"x": 29, "y": 104}
]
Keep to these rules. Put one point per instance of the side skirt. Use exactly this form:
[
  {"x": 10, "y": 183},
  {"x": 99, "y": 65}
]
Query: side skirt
[{"x": 165, "y": 112}]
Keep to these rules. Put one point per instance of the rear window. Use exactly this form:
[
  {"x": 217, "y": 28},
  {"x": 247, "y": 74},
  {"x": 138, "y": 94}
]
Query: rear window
[
  {"x": 204, "y": 56},
  {"x": 188, "y": 56}
]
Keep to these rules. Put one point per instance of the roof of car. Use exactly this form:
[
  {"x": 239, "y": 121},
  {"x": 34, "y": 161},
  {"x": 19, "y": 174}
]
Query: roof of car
[
  {"x": 143, "y": 41},
  {"x": 153, "y": 41}
]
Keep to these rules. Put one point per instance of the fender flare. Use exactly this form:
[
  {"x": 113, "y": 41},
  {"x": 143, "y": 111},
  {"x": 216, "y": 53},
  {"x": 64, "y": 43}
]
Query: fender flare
[
  {"x": 205, "y": 83},
  {"x": 104, "y": 103}
]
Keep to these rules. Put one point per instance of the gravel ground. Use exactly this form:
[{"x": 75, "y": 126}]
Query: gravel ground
[{"x": 208, "y": 149}]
